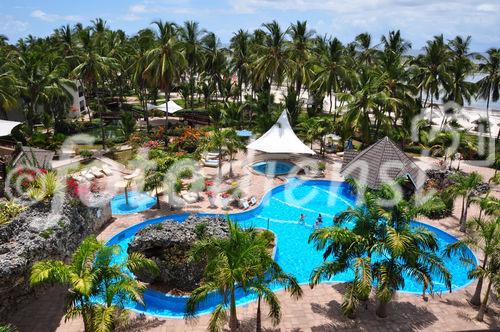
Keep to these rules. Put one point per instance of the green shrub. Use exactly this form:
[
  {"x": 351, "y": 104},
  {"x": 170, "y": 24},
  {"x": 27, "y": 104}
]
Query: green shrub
[
  {"x": 437, "y": 207},
  {"x": 200, "y": 230},
  {"x": 45, "y": 186},
  {"x": 178, "y": 186},
  {"x": 86, "y": 154},
  {"x": 9, "y": 210},
  {"x": 186, "y": 173},
  {"x": 321, "y": 166}
]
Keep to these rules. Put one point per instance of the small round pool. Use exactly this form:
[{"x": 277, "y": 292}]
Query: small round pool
[
  {"x": 273, "y": 167},
  {"x": 137, "y": 202}
]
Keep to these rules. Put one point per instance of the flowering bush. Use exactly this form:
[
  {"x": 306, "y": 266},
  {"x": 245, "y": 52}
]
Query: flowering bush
[
  {"x": 25, "y": 177},
  {"x": 225, "y": 195},
  {"x": 189, "y": 139},
  {"x": 151, "y": 144},
  {"x": 210, "y": 194}
]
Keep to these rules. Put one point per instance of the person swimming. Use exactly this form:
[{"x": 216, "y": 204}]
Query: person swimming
[
  {"x": 302, "y": 219},
  {"x": 319, "y": 221}
]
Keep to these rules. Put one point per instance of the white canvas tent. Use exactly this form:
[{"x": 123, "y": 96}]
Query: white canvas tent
[
  {"x": 172, "y": 107},
  {"x": 7, "y": 126},
  {"x": 280, "y": 139}
]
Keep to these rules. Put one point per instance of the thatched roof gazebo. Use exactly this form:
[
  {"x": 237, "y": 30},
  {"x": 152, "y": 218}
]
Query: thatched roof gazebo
[{"x": 380, "y": 163}]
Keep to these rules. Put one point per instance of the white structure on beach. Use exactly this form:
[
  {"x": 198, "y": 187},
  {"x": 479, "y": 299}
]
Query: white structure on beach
[
  {"x": 79, "y": 104},
  {"x": 280, "y": 139}
]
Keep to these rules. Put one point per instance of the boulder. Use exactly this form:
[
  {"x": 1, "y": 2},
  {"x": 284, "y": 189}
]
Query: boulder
[
  {"x": 41, "y": 233},
  {"x": 168, "y": 244}
]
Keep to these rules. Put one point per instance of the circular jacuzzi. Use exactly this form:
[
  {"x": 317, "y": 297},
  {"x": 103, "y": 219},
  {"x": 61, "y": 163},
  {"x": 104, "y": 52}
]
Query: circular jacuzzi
[{"x": 273, "y": 167}]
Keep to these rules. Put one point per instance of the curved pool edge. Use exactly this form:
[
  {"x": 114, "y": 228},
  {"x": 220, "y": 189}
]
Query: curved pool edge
[{"x": 182, "y": 216}]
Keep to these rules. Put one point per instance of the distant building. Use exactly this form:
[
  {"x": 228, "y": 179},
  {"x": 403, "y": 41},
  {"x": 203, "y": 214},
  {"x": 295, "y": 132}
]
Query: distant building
[{"x": 79, "y": 104}]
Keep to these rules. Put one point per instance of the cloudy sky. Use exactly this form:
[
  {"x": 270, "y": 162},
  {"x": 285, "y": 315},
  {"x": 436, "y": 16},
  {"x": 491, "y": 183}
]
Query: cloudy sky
[{"x": 418, "y": 20}]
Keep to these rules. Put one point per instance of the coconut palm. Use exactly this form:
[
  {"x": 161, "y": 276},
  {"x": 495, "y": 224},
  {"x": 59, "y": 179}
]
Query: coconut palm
[
  {"x": 191, "y": 35},
  {"x": 489, "y": 85},
  {"x": 330, "y": 69},
  {"x": 464, "y": 186},
  {"x": 93, "y": 274},
  {"x": 378, "y": 250},
  {"x": 240, "y": 58},
  {"x": 165, "y": 60},
  {"x": 299, "y": 52},
  {"x": 366, "y": 52},
  {"x": 272, "y": 60},
  {"x": 271, "y": 274},
  {"x": 460, "y": 90},
  {"x": 484, "y": 237},
  {"x": 395, "y": 43},
  {"x": 216, "y": 141},
  {"x": 233, "y": 143},
  {"x": 231, "y": 263}
]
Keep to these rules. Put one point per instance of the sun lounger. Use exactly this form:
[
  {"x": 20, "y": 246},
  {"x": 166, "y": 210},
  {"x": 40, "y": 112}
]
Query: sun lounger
[
  {"x": 87, "y": 175},
  {"x": 210, "y": 155},
  {"x": 96, "y": 172},
  {"x": 253, "y": 200},
  {"x": 106, "y": 170},
  {"x": 244, "y": 204},
  {"x": 190, "y": 197},
  {"x": 78, "y": 178},
  {"x": 134, "y": 174},
  {"x": 210, "y": 162}
]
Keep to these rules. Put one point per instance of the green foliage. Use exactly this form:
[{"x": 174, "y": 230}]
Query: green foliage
[
  {"x": 7, "y": 328},
  {"x": 86, "y": 153},
  {"x": 9, "y": 210},
  {"x": 93, "y": 273},
  {"x": 200, "y": 230},
  {"x": 127, "y": 124},
  {"x": 45, "y": 186}
]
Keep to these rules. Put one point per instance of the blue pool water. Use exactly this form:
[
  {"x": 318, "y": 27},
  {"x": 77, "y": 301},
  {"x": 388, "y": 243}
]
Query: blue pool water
[
  {"x": 273, "y": 167},
  {"x": 281, "y": 208},
  {"x": 137, "y": 202}
]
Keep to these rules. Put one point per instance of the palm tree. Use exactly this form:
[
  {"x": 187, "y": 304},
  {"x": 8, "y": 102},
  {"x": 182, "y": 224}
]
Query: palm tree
[
  {"x": 299, "y": 53},
  {"x": 330, "y": 69},
  {"x": 231, "y": 263},
  {"x": 366, "y": 53},
  {"x": 215, "y": 61},
  {"x": 272, "y": 60},
  {"x": 489, "y": 85},
  {"x": 154, "y": 179},
  {"x": 395, "y": 43},
  {"x": 272, "y": 274},
  {"x": 233, "y": 143},
  {"x": 240, "y": 58},
  {"x": 485, "y": 238},
  {"x": 165, "y": 60},
  {"x": 191, "y": 36},
  {"x": 460, "y": 90},
  {"x": 93, "y": 273},
  {"x": 215, "y": 142},
  {"x": 464, "y": 186},
  {"x": 375, "y": 233}
]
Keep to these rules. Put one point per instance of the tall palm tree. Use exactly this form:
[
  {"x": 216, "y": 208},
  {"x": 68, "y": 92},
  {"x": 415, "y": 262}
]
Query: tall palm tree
[
  {"x": 489, "y": 85},
  {"x": 93, "y": 273},
  {"x": 366, "y": 52},
  {"x": 374, "y": 235},
  {"x": 215, "y": 67},
  {"x": 435, "y": 73},
  {"x": 395, "y": 43},
  {"x": 464, "y": 186},
  {"x": 330, "y": 69},
  {"x": 271, "y": 274},
  {"x": 191, "y": 36},
  {"x": 240, "y": 58},
  {"x": 233, "y": 143},
  {"x": 299, "y": 52},
  {"x": 485, "y": 238},
  {"x": 216, "y": 141},
  {"x": 460, "y": 90},
  {"x": 272, "y": 60},
  {"x": 165, "y": 60},
  {"x": 231, "y": 263}
]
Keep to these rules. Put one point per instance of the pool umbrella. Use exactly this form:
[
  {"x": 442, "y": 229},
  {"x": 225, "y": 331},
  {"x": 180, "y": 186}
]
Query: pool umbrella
[{"x": 244, "y": 133}]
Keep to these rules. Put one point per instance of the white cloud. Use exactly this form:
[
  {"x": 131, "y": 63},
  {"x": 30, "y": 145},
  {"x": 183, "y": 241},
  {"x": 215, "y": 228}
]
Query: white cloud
[
  {"x": 12, "y": 25},
  {"x": 40, "y": 14},
  {"x": 137, "y": 9},
  {"x": 488, "y": 7}
]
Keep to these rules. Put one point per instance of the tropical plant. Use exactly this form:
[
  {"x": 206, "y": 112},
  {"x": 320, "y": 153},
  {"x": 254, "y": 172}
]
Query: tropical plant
[
  {"x": 489, "y": 85},
  {"x": 231, "y": 263},
  {"x": 464, "y": 186},
  {"x": 98, "y": 285},
  {"x": 484, "y": 237},
  {"x": 381, "y": 248}
]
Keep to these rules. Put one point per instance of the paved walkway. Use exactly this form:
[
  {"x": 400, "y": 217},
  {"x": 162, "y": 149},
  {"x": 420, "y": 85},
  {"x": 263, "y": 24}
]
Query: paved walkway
[{"x": 317, "y": 310}]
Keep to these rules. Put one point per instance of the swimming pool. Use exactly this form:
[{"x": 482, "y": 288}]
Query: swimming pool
[
  {"x": 281, "y": 208},
  {"x": 137, "y": 202},
  {"x": 273, "y": 167}
]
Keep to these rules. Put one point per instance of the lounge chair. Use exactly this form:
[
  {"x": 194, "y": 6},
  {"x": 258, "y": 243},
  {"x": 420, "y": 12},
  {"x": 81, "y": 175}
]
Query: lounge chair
[
  {"x": 190, "y": 197},
  {"x": 87, "y": 175},
  {"x": 210, "y": 155},
  {"x": 253, "y": 200},
  {"x": 78, "y": 178},
  {"x": 106, "y": 170},
  {"x": 210, "y": 162},
  {"x": 96, "y": 172},
  {"x": 244, "y": 204},
  {"x": 134, "y": 174}
]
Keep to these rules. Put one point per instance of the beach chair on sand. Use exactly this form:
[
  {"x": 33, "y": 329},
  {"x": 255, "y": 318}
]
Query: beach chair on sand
[
  {"x": 211, "y": 162},
  {"x": 96, "y": 172},
  {"x": 87, "y": 175},
  {"x": 253, "y": 200}
]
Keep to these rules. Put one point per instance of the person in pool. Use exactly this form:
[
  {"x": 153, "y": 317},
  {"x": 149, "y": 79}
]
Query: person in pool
[
  {"x": 319, "y": 221},
  {"x": 302, "y": 219}
]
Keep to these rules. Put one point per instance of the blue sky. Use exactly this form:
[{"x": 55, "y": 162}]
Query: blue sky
[{"x": 418, "y": 20}]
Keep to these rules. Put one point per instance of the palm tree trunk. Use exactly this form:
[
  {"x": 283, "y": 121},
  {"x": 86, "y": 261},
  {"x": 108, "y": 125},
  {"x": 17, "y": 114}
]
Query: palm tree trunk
[
  {"x": 482, "y": 308},
  {"x": 330, "y": 110},
  {"x": 233, "y": 320},
  {"x": 157, "y": 198},
  {"x": 488, "y": 112},
  {"x": 476, "y": 298},
  {"x": 382, "y": 309},
  {"x": 167, "y": 98},
  {"x": 220, "y": 163},
  {"x": 463, "y": 218},
  {"x": 258, "y": 320}
]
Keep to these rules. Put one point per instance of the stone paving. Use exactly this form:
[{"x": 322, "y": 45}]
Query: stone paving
[{"x": 317, "y": 310}]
